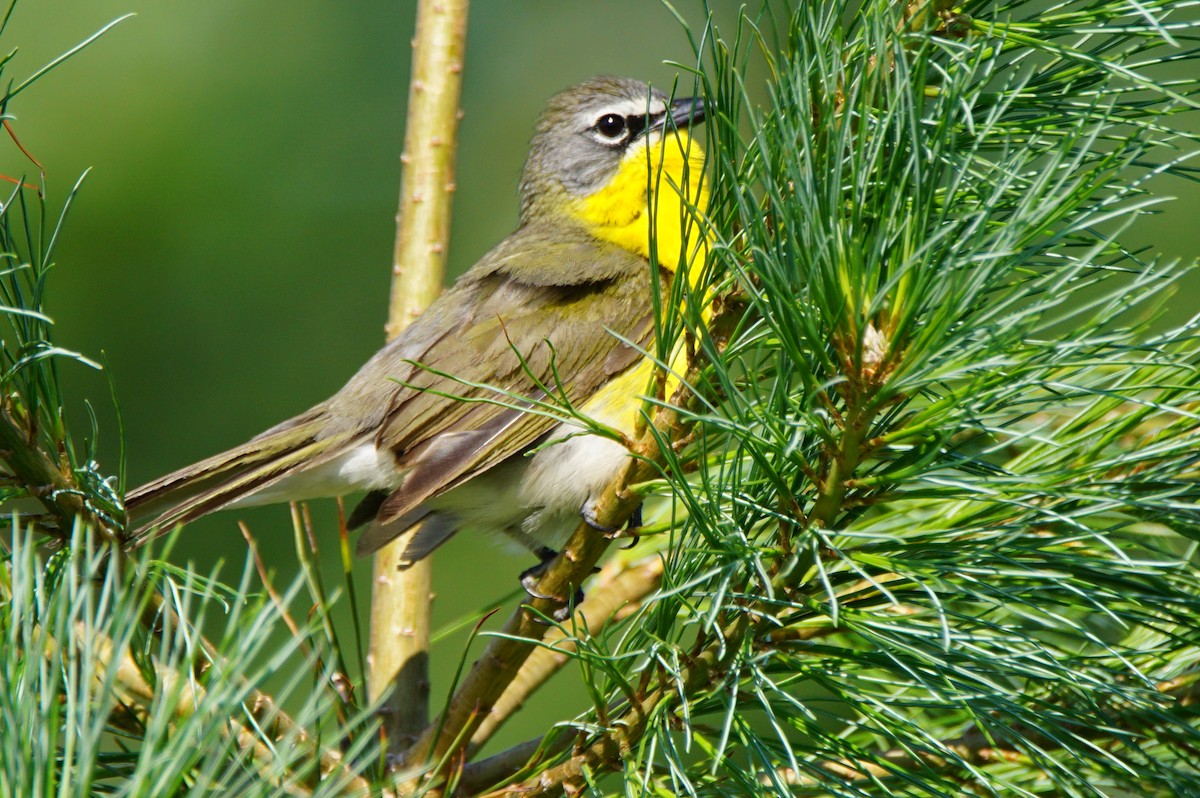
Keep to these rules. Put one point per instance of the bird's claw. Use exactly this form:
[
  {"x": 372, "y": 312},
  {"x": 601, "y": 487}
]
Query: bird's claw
[
  {"x": 631, "y": 526},
  {"x": 565, "y": 611},
  {"x": 530, "y": 578},
  {"x": 588, "y": 513}
]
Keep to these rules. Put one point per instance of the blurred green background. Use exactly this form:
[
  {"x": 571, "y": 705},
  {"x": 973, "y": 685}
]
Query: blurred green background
[{"x": 229, "y": 254}]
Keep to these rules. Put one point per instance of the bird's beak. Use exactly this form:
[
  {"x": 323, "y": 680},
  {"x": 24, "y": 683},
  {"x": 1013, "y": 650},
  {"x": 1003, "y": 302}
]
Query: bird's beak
[{"x": 681, "y": 114}]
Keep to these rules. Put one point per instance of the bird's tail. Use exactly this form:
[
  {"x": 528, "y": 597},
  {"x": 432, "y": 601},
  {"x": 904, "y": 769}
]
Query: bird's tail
[{"x": 218, "y": 481}]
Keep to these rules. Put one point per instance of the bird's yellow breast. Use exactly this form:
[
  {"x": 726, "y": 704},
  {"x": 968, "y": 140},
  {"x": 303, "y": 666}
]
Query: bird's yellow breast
[
  {"x": 662, "y": 181},
  {"x": 659, "y": 180}
]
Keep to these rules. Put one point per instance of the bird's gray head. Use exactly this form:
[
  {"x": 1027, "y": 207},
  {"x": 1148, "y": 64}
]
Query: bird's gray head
[{"x": 586, "y": 131}]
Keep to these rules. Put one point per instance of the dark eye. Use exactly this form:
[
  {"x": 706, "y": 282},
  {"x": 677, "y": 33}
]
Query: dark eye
[{"x": 611, "y": 126}]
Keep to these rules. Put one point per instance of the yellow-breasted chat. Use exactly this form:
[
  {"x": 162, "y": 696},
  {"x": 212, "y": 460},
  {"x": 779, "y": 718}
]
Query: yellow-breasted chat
[{"x": 433, "y": 427}]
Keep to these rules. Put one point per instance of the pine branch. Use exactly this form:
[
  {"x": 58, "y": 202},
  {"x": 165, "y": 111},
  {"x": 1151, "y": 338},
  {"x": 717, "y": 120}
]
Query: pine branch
[
  {"x": 44, "y": 477},
  {"x": 980, "y": 748},
  {"x": 627, "y": 731}
]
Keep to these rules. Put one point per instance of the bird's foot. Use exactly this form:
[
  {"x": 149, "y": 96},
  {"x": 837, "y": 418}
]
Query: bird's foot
[
  {"x": 531, "y": 576},
  {"x": 588, "y": 513}
]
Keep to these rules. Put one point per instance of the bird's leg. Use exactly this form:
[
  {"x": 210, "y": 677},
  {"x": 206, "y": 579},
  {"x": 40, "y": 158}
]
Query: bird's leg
[{"x": 530, "y": 576}]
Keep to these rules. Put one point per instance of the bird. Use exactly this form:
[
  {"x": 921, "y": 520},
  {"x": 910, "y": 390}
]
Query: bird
[{"x": 447, "y": 427}]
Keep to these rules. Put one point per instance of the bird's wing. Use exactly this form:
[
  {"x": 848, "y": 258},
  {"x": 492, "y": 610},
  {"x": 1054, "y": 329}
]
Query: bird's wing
[{"x": 533, "y": 332}]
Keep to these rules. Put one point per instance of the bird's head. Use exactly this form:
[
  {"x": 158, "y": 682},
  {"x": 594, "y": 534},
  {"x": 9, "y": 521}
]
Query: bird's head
[{"x": 602, "y": 143}]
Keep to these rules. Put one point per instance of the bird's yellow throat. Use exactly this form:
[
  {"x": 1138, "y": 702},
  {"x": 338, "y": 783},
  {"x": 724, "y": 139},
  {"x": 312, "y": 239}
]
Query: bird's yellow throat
[
  {"x": 667, "y": 176},
  {"x": 669, "y": 170}
]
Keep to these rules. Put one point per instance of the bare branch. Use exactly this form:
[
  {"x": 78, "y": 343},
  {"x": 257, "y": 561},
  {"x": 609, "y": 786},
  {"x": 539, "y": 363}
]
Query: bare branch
[{"x": 400, "y": 605}]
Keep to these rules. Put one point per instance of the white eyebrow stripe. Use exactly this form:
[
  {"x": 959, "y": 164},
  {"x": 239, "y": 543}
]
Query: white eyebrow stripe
[
  {"x": 639, "y": 107},
  {"x": 650, "y": 105}
]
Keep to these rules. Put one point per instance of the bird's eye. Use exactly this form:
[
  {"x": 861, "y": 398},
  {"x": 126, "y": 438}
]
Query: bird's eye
[{"x": 611, "y": 126}]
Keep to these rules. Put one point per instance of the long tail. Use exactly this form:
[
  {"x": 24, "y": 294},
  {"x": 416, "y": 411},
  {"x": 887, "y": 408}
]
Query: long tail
[{"x": 218, "y": 481}]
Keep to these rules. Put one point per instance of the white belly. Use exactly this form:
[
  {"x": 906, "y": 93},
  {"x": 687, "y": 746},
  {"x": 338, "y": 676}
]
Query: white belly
[{"x": 539, "y": 496}]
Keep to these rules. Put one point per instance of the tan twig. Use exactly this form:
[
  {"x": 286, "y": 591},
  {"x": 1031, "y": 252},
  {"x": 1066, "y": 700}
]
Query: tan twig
[
  {"x": 624, "y": 732},
  {"x": 504, "y": 765},
  {"x": 617, "y": 591},
  {"x": 264, "y": 576},
  {"x": 400, "y": 617}
]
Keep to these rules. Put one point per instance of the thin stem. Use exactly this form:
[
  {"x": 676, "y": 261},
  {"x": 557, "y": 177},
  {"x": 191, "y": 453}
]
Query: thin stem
[
  {"x": 496, "y": 769},
  {"x": 400, "y": 604}
]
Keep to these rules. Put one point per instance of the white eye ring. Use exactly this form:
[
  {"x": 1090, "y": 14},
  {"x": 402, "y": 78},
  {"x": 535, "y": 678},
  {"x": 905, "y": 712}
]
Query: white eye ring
[{"x": 611, "y": 126}]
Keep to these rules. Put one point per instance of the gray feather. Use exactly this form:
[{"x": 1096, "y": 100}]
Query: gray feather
[{"x": 420, "y": 530}]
